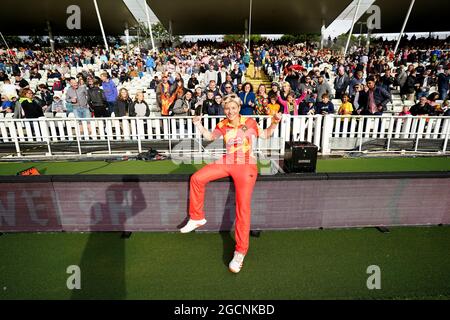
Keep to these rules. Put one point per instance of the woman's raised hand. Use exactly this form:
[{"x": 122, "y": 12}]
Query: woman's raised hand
[
  {"x": 197, "y": 120},
  {"x": 277, "y": 117}
]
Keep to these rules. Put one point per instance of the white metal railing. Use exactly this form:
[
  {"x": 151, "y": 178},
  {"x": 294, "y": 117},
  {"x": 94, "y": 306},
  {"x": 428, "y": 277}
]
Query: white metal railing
[
  {"x": 110, "y": 131},
  {"x": 352, "y": 132},
  {"x": 331, "y": 133}
]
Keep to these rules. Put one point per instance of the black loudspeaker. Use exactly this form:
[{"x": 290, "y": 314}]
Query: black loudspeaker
[{"x": 300, "y": 157}]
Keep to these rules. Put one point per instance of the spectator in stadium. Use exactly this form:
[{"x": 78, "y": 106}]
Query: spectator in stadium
[
  {"x": 132, "y": 73},
  {"x": 139, "y": 108},
  {"x": 110, "y": 91},
  {"x": 58, "y": 105},
  {"x": 124, "y": 77},
  {"x": 3, "y": 76},
  {"x": 26, "y": 107},
  {"x": 163, "y": 97},
  {"x": 357, "y": 79},
  {"x": 408, "y": 90},
  {"x": 77, "y": 96},
  {"x": 405, "y": 111},
  {"x": 184, "y": 106},
  {"x": 8, "y": 89},
  {"x": 346, "y": 108},
  {"x": 228, "y": 89},
  {"x": 192, "y": 82},
  {"x": 307, "y": 85},
  {"x": 211, "y": 74},
  {"x": 293, "y": 79},
  {"x": 443, "y": 83},
  {"x": 246, "y": 60},
  {"x": 432, "y": 101},
  {"x": 257, "y": 64},
  {"x": 274, "y": 89},
  {"x": 90, "y": 82},
  {"x": 178, "y": 89},
  {"x": 160, "y": 67},
  {"x": 308, "y": 107},
  {"x": 422, "y": 108},
  {"x": 122, "y": 104},
  {"x": 285, "y": 90},
  {"x": 424, "y": 82},
  {"x": 400, "y": 77},
  {"x": 240, "y": 88},
  {"x": 154, "y": 83},
  {"x": 341, "y": 82},
  {"x": 323, "y": 88},
  {"x": 325, "y": 106},
  {"x": 216, "y": 109},
  {"x": 248, "y": 98},
  {"x": 59, "y": 84},
  {"x": 236, "y": 75},
  {"x": 273, "y": 105},
  {"x": 212, "y": 87},
  {"x": 97, "y": 101},
  {"x": 208, "y": 102},
  {"x": 150, "y": 64},
  {"x": 54, "y": 74},
  {"x": 81, "y": 80},
  {"x": 261, "y": 101},
  {"x": 291, "y": 104},
  {"x": 375, "y": 99},
  {"x": 326, "y": 74},
  {"x": 228, "y": 82},
  {"x": 8, "y": 104},
  {"x": 222, "y": 76},
  {"x": 387, "y": 80},
  {"x": 239, "y": 163},
  {"x": 21, "y": 82},
  {"x": 359, "y": 99},
  {"x": 34, "y": 74},
  {"x": 198, "y": 98},
  {"x": 44, "y": 97}
]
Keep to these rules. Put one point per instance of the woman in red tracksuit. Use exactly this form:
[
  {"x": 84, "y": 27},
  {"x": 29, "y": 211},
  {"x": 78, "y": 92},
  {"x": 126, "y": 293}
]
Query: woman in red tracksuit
[{"x": 239, "y": 163}]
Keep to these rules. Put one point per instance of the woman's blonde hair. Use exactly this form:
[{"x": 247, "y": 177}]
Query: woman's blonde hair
[
  {"x": 285, "y": 83},
  {"x": 232, "y": 98},
  {"x": 23, "y": 93},
  {"x": 137, "y": 93}
]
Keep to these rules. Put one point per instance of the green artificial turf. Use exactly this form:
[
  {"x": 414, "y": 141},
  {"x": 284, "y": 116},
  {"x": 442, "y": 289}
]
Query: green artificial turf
[
  {"x": 308, "y": 264},
  {"x": 328, "y": 264},
  {"x": 384, "y": 164},
  {"x": 167, "y": 166}
]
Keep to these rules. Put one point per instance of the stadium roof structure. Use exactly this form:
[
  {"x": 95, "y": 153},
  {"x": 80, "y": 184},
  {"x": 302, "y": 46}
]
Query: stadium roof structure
[
  {"x": 291, "y": 16},
  {"x": 202, "y": 17},
  {"x": 29, "y": 17}
]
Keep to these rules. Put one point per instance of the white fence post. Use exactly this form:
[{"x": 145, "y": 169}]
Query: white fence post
[
  {"x": 447, "y": 134},
  {"x": 327, "y": 131}
]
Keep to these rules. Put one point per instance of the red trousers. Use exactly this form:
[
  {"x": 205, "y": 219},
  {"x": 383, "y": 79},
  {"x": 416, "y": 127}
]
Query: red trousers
[{"x": 244, "y": 177}]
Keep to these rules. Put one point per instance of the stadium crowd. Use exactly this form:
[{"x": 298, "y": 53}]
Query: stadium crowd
[{"x": 193, "y": 78}]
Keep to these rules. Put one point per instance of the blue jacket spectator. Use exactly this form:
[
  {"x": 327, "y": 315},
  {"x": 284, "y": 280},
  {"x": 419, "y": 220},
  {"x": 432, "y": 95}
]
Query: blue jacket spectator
[
  {"x": 325, "y": 107},
  {"x": 150, "y": 63},
  {"x": 248, "y": 99},
  {"x": 109, "y": 88}
]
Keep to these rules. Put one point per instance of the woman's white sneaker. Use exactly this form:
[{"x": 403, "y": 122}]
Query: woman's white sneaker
[
  {"x": 237, "y": 262},
  {"x": 192, "y": 225}
]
